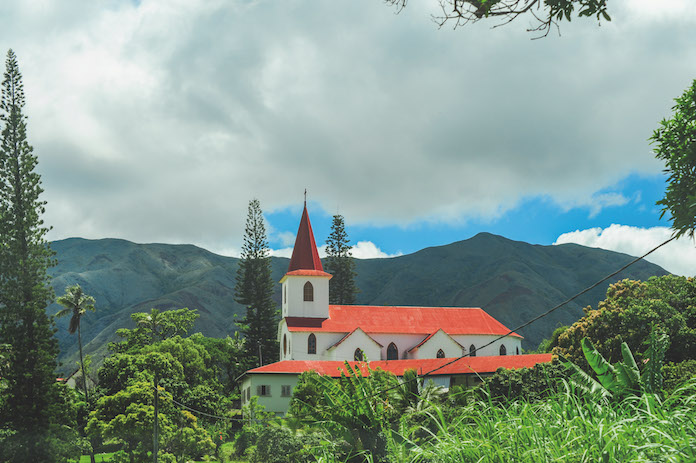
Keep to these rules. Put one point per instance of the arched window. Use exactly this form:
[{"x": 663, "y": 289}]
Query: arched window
[
  {"x": 503, "y": 350},
  {"x": 472, "y": 351},
  {"x": 285, "y": 345},
  {"x": 358, "y": 355},
  {"x": 392, "y": 352},
  {"x": 517, "y": 351},
  {"x": 308, "y": 292},
  {"x": 312, "y": 344},
  {"x": 285, "y": 295},
  {"x": 440, "y": 354}
]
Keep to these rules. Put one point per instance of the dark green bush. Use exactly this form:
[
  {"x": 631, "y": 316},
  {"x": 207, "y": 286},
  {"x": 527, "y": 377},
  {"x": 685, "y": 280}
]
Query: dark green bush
[
  {"x": 529, "y": 384},
  {"x": 676, "y": 374}
]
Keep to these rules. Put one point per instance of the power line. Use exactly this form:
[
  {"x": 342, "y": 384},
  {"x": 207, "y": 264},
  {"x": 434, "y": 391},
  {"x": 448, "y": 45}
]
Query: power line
[{"x": 589, "y": 288}]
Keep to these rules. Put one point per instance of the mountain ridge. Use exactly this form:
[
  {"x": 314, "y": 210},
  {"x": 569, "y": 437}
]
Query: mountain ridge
[{"x": 512, "y": 280}]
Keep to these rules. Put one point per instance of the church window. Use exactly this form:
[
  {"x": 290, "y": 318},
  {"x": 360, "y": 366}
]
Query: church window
[
  {"x": 517, "y": 351},
  {"x": 308, "y": 292},
  {"x": 312, "y": 344},
  {"x": 285, "y": 345},
  {"x": 503, "y": 350},
  {"x": 285, "y": 295},
  {"x": 392, "y": 352},
  {"x": 358, "y": 355},
  {"x": 472, "y": 351},
  {"x": 440, "y": 354}
]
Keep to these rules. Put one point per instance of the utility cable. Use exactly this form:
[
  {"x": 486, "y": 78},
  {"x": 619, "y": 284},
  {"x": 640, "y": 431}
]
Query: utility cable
[{"x": 538, "y": 317}]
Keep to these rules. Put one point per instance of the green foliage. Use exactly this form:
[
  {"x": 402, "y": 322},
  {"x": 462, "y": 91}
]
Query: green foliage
[
  {"x": 658, "y": 343},
  {"x": 563, "y": 427},
  {"x": 340, "y": 263},
  {"x": 529, "y": 384},
  {"x": 276, "y": 444},
  {"x": 227, "y": 357},
  {"x": 254, "y": 289},
  {"x": 153, "y": 327},
  {"x": 31, "y": 416},
  {"x": 677, "y": 374},
  {"x": 622, "y": 378},
  {"x": 548, "y": 344},
  {"x": 629, "y": 313},
  {"x": 675, "y": 144},
  {"x": 354, "y": 408}
]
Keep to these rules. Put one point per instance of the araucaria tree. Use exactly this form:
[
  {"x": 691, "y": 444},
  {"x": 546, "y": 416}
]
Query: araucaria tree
[
  {"x": 675, "y": 144},
  {"x": 254, "y": 290},
  {"x": 29, "y": 410},
  {"x": 340, "y": 263}
]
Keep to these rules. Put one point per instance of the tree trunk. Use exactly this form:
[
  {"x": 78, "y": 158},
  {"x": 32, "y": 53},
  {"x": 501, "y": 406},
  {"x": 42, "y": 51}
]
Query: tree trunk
[{"x": 84, "y": 384}]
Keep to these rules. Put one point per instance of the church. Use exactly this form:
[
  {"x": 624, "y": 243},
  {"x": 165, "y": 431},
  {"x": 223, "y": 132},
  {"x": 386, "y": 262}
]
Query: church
[{"x": 314, "y": 335}]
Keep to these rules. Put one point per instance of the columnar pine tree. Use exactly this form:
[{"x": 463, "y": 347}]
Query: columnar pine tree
[
  {"x": 32, "y": 393},
  {"x": 254, "y": 289},
  {"x": 340, "y": 263}
]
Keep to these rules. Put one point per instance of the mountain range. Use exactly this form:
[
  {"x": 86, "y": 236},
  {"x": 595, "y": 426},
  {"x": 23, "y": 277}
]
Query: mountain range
[{"x": 513, "y": 281}]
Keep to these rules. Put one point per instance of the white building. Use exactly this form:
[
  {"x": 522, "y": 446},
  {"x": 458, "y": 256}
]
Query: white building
[{"x": 314, "y": 335}]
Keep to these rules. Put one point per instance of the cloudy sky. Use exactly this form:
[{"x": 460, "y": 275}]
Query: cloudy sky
[{"x": 158, "y": 120}]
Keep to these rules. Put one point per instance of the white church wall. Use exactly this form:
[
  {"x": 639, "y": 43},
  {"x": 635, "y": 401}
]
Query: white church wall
[
  {"x": 403, "y": 342},
  {"x": 293, "y": 303},
  {"x": 512, "y": 344},
  {"x": 300, "y": 344},
  {"x": 440, "y": 340},
  {"x": 357, "y": 340}
]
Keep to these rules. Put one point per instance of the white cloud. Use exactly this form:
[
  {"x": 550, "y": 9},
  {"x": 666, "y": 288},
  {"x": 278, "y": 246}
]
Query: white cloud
[
  {"x": 158, "y": 120},
  {"x": 678, "y": 257},
  {"x": 368, "y": 250},
  {"x": 361, "y": 250}
]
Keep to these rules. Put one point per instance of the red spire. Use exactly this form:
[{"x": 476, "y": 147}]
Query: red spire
[{"x": 305, "y": 255}]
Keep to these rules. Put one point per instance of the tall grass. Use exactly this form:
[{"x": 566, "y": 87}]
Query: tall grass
[{"x": 566, "y": 427}]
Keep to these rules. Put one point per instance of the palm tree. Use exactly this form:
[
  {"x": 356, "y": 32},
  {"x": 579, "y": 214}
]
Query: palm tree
[{"x": 76, "y": 303}]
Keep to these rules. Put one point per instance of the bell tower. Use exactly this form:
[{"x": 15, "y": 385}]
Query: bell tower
[{"x": 305, "y": 285}]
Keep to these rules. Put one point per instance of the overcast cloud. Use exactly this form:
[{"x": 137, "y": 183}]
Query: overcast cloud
[
  {"x": 159, "y": 120},
  {"x": 678, "y": 257}
]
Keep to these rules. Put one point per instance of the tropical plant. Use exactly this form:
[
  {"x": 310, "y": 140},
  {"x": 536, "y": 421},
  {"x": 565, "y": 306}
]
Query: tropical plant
[
  {"x": 628, "y": 313},
  {"x": 76, "y": 304},
  {"x": 675, "y": 144}
]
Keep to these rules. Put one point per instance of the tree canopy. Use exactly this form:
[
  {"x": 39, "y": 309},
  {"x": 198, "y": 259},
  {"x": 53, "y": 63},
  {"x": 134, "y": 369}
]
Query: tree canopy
[
  {"x": 31, "y": 410},
  {"x": 630, "y": 312},
  {"x": 675, "y": 144},
  {"x": 254, "y": 289},
  {"x": 544, "y": 14},
  {"x": 340, "y": 263}
]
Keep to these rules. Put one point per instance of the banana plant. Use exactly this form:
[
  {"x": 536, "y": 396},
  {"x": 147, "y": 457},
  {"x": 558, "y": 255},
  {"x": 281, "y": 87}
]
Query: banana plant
[{"x": 623, "y": 378}]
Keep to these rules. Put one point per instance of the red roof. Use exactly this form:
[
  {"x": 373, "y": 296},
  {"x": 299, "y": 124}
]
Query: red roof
[
  {"x": 465, "y": 365},
  {"x": 412, "y": 320},
  {"x": 305, "y": 255},
  {"x": 309, "y": 273}
]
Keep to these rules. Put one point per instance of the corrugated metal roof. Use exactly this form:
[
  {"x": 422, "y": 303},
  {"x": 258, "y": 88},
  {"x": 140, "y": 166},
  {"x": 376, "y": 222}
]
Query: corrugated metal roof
[
  {"x": 465, "y": 365},
  {"x": 407, "y": 320}
]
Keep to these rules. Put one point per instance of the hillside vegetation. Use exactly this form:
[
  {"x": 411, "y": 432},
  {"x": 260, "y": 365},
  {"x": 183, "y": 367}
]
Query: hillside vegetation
[{"x": 511, "y": 280}]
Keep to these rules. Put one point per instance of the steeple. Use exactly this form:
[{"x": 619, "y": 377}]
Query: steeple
[{"x": 305, "y": 255}]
